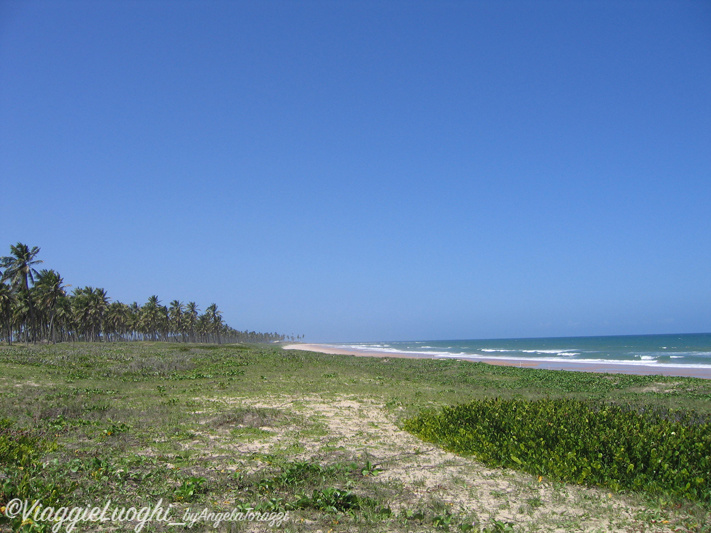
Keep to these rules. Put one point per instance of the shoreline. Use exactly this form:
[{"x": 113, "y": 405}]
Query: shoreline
[{"x": 574, "y": 366}]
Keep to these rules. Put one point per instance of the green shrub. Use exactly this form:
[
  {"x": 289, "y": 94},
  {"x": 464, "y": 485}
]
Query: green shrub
[
  {"x": 190, "y": 489},
  {"x": 21, "y": 448},
  {"x": 334, "y": 500},
  {"x": 582, "y": 442},
  {"x": 22, "y": 473}
]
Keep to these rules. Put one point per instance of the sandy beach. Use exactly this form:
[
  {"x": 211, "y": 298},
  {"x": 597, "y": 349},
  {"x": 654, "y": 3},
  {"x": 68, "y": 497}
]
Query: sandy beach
[{"x": 606, "y": 368}]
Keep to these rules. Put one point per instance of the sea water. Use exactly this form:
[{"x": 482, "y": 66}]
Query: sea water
[{"x": 679, "y": 350}]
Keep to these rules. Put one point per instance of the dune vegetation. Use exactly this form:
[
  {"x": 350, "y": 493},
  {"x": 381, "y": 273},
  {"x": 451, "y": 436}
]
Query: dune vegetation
[{"x": 323, "y": 438}]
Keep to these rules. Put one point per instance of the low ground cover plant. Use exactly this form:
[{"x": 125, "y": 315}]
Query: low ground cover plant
[
  {"x": 655, "y": 451},
  {"x": 257, "y": 427}
]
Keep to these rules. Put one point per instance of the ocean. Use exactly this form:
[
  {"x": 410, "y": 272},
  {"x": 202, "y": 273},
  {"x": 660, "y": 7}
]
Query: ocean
[{"x": 674, "y": 350}]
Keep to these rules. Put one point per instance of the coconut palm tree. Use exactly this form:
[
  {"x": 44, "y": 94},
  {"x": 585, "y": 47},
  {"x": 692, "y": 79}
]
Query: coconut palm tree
[
  {"x": 64, "y": 323},
  {"x": 19, "y": 266},
  {"x": 34, "y": 305},
  {"x": 21, "y": 314},
  {"x": 19, "y": 269},
  {"x": 176, "y": 318},
  {"x": 90, "y": 307},
  {"x": 154, "y": 318},
  {"x": 80, "y": 310},
  {"x": 191, "y": 318},
  {"x": 214, "y": 318},
  {"x": 117, "y": 320},
  {"x": 134, "y": 321},
  {"x": 203, "y": 328},
  {"x": 50, "y": 287},
  {"x": 99, "y": 305},
  {"x": 7, "y": 302}
]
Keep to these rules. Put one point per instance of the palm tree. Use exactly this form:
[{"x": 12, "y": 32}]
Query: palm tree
[
  {"x": 50, "y": 287},
  {"x": 19, "y": 266},
  {"x": 117, "y": 320},
  {"x": 7, "y": 301},
  {"x": 21, "y": 314},
  {"x": 34, "y": 305},
  {"x": 154, "y": 317},
  {"x": 175, "y": 316},
  {"x": 90, "y": 307},
  {"x": 191, "y": 318},
  {"x": 63, "y": 318},
  {"x": 80, "y": 310},
  {"x": 19, "y": 270},
  {"x": 99, "y": 303},
  {"x": 214, "y": 318},
  {"x": 202, "y": 328},
  {"x": 134, "y": 320}
]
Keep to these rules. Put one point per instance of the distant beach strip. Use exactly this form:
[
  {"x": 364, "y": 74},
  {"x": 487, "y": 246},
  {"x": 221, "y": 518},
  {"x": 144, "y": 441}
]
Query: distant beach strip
[{"x": 686, "y": 355}]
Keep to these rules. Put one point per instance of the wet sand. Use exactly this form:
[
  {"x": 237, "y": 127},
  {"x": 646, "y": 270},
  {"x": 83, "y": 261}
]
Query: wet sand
[{"x": 576, "y": 366}]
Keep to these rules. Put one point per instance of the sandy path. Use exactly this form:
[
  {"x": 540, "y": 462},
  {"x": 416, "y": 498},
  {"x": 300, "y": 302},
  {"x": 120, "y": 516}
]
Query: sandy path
[{"x": 420, "y": 475}]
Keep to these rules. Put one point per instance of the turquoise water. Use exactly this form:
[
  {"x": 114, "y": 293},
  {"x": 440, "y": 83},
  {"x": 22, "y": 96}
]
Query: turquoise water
[{"x": 682, "y": 350}]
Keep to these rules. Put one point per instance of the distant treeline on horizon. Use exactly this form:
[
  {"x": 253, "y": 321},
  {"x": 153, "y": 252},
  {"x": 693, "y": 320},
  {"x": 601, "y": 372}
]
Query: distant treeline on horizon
[{"x": 35, "y": 307}]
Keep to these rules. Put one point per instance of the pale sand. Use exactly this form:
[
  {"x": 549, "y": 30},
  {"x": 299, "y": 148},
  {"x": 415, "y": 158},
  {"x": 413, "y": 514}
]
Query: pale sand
[
  {"x": 606, "y": 368},
  {"x": 423, "y": 475}
]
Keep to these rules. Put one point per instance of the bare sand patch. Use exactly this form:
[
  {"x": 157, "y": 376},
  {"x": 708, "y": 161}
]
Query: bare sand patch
[{"x": 421, "y": 474}]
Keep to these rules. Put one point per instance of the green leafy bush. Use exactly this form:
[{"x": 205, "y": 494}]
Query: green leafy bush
[
  {"x": 583, "y": 442},
  {"x": 334, "y": 500},
  {"x": 190, "y": 489},
  {"x": 22, "y": 472},
  {"x": 21, "y": 447}
]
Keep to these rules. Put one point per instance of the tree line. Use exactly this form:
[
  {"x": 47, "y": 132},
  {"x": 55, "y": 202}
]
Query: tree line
[{"x": 36, "y": 307}]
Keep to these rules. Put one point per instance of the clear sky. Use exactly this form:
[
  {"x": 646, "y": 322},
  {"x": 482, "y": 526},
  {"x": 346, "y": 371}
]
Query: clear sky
[{"x": 368, "y": 170}]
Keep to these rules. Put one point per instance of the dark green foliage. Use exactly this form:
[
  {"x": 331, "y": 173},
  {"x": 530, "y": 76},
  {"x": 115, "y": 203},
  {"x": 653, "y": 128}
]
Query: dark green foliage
[
  {"x": 190, "y": 488},
  {"x": 333, "y": 500},
  {"x": 309, "y": 485},
  {"x": 593, "y": 443},
  {"x": 20, "y": 447}
]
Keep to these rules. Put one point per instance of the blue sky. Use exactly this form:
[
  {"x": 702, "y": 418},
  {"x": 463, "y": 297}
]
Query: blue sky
[{"x": 369, "y": 170}]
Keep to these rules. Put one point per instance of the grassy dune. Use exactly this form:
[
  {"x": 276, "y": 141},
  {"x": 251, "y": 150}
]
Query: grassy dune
[{"x": 319, "y": 436}]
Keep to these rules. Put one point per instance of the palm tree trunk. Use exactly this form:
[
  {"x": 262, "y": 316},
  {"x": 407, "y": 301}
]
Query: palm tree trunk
[{"x": 33, "y": 326}]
